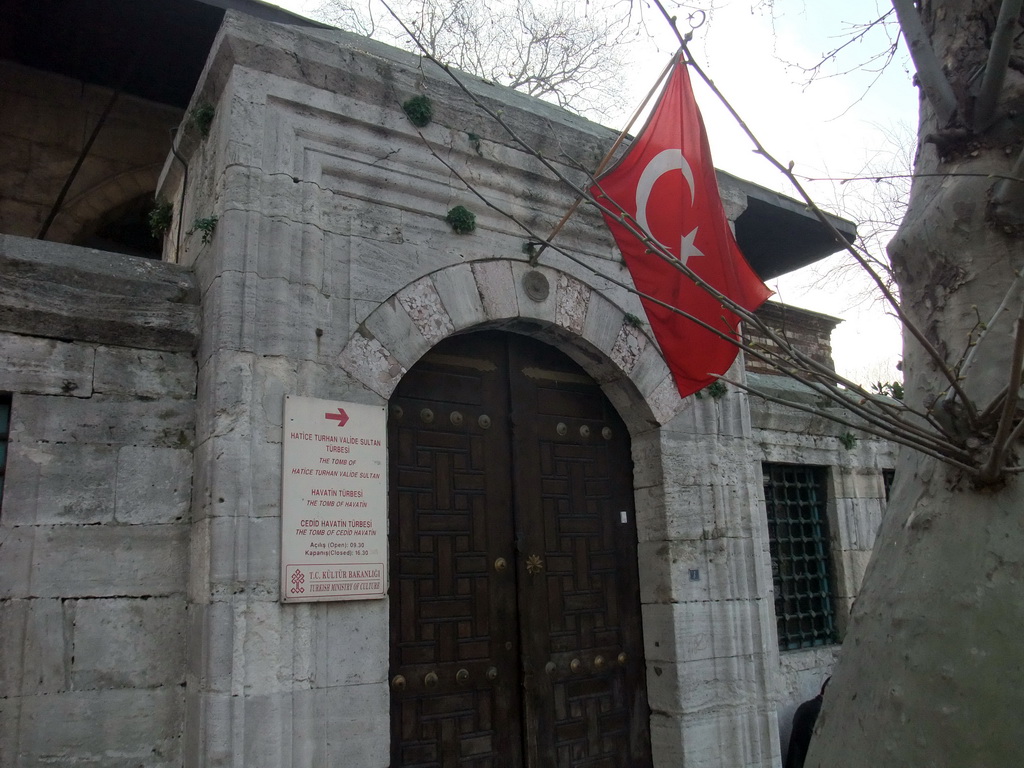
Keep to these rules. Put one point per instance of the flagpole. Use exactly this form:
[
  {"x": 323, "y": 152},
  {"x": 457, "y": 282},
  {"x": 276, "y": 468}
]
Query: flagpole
[{"x": 608, "y": 156}]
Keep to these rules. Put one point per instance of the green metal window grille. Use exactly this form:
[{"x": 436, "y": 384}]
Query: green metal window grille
[
  {"x": 795, "y": 500},
  {"x": 5, "y": 433}
]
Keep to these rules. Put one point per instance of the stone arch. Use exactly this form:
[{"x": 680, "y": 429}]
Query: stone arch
[
  {"x": 81, "y": 212},
  {"x": 542, "y": 302}
]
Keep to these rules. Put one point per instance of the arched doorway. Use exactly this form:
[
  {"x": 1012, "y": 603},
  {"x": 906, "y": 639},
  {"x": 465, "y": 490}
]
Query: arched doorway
[{"x": 515, "y": 614}]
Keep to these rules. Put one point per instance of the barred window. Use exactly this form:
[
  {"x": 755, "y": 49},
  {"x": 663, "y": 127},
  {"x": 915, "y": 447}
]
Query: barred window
[
  {"x": 795, "y": 500},
  {"x": 5, "y": 431}
]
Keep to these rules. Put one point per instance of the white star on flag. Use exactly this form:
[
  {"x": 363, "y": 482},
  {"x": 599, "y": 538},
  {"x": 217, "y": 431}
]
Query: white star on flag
[{"x": 687, "y": 248}]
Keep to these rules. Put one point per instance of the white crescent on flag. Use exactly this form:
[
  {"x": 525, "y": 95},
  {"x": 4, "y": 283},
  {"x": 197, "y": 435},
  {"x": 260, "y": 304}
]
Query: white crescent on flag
[{"x": 666, "y": 161}]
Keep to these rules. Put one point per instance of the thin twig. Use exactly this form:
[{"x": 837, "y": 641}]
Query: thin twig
[
  {"x": 884, "y": 421},
  {"x": 888, "y": 425},
  {"x": 933, "y": 80},
  {"x": 787, "y": 171},
  {"x": 1000, "y": 443},
  {"x": 901, "y": 439},
  {"x": 607, "y": 157}
]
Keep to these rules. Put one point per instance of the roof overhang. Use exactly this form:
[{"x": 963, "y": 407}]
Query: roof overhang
[
  {"x": 778, "y": 234},
  {"x": 157, "y": 49},
  {"x": 153, "y": 49}
]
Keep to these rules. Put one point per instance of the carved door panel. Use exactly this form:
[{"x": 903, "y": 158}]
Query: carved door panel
[
  {"x": 585, "y": 699},
  {"x": 515, "y": 627}
]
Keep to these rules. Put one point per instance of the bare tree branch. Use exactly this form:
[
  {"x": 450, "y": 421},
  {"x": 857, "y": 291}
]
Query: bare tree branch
[
  {"x": 560, "y": 51},
  {"x": 933, "y": 80},
  {"x": 998, "y": 61}
]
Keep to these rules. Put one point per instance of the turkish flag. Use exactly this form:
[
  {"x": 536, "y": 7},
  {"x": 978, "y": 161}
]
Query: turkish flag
[{"x": 666, "y": 182}]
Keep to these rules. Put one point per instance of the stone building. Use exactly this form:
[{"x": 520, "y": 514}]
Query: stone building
[{"x": 584, "y": 568}]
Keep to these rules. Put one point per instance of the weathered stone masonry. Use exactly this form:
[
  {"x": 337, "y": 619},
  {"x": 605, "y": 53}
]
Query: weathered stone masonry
[
  {"x": 139, "y": 537},
  {"x": 97, "y": 350}
]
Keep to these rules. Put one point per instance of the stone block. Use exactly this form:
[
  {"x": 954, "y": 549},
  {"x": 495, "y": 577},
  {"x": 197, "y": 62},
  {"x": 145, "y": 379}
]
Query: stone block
[
  {"x": 287, "y": 247},
  {"x": 39, "y": 366},
  {"x": 650, "y": 370},
  {"x": 349, "y": 642},
  {"x": 352, "y": 724},
  {"x": 858, "y": 482},
  {"x": 704, "y": 630},
  {"x": 225, "y": 394},
  {"x": 857, "y": 522},
  {"x": 101, "y": 297},
  {"x": 740, "y": 737},
  {"x": 603, "y": 323},
  {"x": 93, "y": 560},
  {"x": 665, "y": 402},
  {"x": 153, "y": 485},
  {"x": 726, "y": 416},
  {"x": 105, "y": 420},
  {"x": 371, "y": 363},
  {"x": 245, "y": 550},
  {"x": 49, "y": 483},
  {"x": 341, "y": 726},
  {"x": 800, "y": 676},
  {"x": 287, "y": 317},
  {"x": 378, "y": 270},
  {"x": 222, "y": 483},
  {"x": 144, "y": 374},
  {"x": 128, "y": 643},
  {"x": 424, "y": 306},
  {"x": 212, "y": 628},
  {"x": 33, "y": 656},
  {"x": 534, "y": 306},
  {"x": 630, "y": 344},
  {"x": 850, "y": 565},
  {"x": 738, "y": 511},
  {"x": 791, "y": 448},
  {"x": 264, "y": 661},
  {"x": 707, "y": 685},
  {"x": 704, "y": 569},
  {"x": 702, "y": 460},
  {"x": 111, "y": 728},
  {"x": 497, "y": 292},
  {"x": 238, "y": 476},
  {"x": 665, "y": 568},
  {"x": 647, "y": 459},
  {"x": 229, "y": 312},
  {"x": 393, "y": 327},
  {"x": 457, "y": 289},
  {"x": 737, "y": 568},
  {"x": 573, "y": 299}
]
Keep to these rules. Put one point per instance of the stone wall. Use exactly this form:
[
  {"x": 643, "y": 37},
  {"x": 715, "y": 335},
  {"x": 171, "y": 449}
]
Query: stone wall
[
  {"x": 809, "y": 332},
  {"x": 140, "y": 530},
  {"x": 856, "y": 503},
  {"x": 96, "y": 350},
  {"x": 331, "y": 272}
]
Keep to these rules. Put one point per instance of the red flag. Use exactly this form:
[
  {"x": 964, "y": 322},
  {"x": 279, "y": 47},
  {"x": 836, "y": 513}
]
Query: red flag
[{"x": 666, "y": 182}]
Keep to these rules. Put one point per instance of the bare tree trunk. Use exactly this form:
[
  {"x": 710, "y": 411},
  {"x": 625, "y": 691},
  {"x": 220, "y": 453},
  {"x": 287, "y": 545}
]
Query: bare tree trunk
[{"x": 932, "y": 669}]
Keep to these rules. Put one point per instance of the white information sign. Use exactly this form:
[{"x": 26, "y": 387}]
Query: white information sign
[{"x": 333, "y": 501}]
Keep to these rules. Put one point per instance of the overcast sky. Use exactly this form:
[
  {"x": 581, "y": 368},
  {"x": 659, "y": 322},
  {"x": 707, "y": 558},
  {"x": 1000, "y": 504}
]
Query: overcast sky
[{"x": 834, "y": 127}]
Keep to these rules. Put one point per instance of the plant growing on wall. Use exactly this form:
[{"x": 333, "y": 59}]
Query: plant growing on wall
[
  {"x": 202, "y": 117},
  {"x": 159, "y": 219},
  {"x": 461, "y": 220},
  {"x": 419, "y": 110},
  {"x": 205, "y": 227}
]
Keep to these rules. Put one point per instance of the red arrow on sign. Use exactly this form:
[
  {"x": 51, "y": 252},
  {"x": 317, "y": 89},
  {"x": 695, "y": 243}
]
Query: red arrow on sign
[{"x": 341, "y": 417}]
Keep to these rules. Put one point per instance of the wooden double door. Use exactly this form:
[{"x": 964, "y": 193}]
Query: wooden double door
[{"x": 515, "y": 613}]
